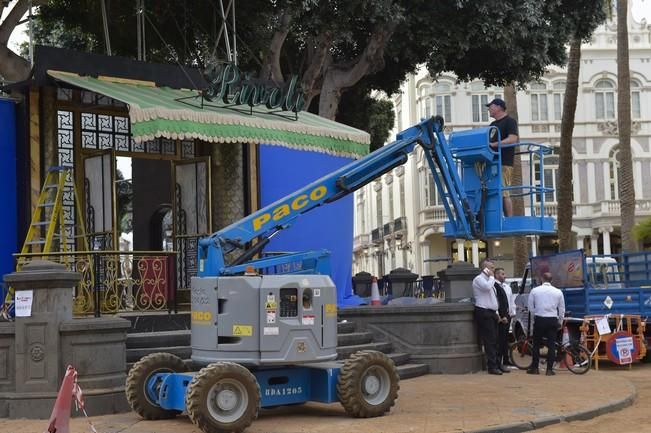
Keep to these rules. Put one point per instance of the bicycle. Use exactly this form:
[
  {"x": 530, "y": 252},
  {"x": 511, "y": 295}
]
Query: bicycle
[{"x": 576, "y": 357}]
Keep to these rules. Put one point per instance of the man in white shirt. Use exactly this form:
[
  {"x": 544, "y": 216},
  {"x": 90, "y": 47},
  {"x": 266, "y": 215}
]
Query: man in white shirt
[
  {"x": 486, "y": 315},
  {"x": 547, "y": 309}
]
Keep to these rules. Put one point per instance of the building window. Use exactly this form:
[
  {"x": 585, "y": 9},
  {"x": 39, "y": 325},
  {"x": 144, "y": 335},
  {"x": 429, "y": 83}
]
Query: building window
[
  {"x": 403, "y": 204},
  {"x": 378, "y": 207},
  {"x": 550, "y": 176},
  {"x": 361, "y": 215},
  {"x": 614, "y": 172},
  {"x": 605, "y": 99},
  {"x": 479, "y": 110},
  {"x": 430, "y": 192},
  {"x": 558, "y": 95},
  {"x": 635, "y": 99},
  {"x": 399, "y": 119},
  {"x": 539, "y": 110},
  {"x": 480, "y": 98}
]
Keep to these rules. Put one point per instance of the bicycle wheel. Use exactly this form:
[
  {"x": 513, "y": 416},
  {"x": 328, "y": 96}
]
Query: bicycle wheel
[
  {"x": 520, "y": 353},
  {"x": 577, "y": 359}
]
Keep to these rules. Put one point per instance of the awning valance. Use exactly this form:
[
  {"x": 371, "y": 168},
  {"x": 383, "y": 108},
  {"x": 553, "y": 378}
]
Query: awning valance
[{"x": 160, "y": 112}]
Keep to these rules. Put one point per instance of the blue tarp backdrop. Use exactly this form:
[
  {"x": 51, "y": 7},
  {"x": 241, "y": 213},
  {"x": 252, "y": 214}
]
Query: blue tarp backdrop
[
  {"x": 8, "y": 222},
  {"x": 283, "y": 171}
]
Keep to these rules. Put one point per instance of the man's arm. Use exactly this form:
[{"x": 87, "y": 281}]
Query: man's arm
[
  {"x": 530, "y": 304},
  {"x": 511, "y": 139},
  {"x": 484, "y": 284},
  {"x": 561, "y": 308}
]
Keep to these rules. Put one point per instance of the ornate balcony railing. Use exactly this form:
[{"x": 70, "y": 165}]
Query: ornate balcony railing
[{"x": 118, "y": 281}]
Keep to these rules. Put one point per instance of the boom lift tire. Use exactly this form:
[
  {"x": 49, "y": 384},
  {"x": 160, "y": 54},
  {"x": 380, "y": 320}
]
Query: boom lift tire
[
  {"x": 138, "y": 377},
  {"x": 223, "y": 397},
  {"x": 368, "y": 384}
]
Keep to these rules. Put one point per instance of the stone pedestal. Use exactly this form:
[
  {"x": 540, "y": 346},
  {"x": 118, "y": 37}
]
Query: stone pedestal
[
  {"x": 442, "y": 336},
  {"x": 456, "y": 280},
  {"x": 49, "y": 340}
]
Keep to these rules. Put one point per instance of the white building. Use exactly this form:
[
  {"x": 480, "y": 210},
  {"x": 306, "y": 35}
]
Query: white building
[{"x": 399, "y": 217}]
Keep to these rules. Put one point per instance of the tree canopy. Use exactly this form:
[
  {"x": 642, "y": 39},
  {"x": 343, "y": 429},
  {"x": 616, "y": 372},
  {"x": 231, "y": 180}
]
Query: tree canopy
[{"x": 336, "y": 45}]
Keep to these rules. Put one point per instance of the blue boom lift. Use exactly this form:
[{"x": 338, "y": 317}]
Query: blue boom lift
[{"x": 265, "y": 330}]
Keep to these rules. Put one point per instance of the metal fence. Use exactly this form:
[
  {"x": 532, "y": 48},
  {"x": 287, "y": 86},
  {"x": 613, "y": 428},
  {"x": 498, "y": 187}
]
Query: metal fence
[{"x": 118, "y": 281}]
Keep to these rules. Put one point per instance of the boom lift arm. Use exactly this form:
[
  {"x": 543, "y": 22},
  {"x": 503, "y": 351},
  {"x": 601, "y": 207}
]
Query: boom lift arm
[{"x": 464, "y": 202}]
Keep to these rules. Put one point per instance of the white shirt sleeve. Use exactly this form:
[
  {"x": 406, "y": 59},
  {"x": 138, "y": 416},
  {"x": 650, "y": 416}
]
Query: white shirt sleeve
[
  {"x": 561, "y": 307},
  {"x": 511, "y": 297},
  {"x": 484, "y": 284}
]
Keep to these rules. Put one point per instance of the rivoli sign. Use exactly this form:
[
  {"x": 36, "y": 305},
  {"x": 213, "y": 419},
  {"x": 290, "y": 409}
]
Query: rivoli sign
[{"x": 227, "y": 84}]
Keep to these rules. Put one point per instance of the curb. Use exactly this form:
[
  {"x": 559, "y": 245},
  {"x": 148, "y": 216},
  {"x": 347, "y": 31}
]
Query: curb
[{"x": 580, "y": 415}]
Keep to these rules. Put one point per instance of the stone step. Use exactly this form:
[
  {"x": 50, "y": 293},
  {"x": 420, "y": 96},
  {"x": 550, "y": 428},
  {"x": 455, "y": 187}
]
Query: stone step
[
  {"x": 141, "y": 340},
  {"x": 399, "y": 358},
  {"x": 183, "y": 352},
  {"x": 157, "y": 321},
  {"x": 354, "y": 338},
  {"x": 344, "y": 352},
  {"x": 407, "y": 371},
  {"x": 345, "y": 327}
]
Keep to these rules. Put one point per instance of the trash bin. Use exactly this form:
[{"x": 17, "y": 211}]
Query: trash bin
[
  {"x": 401, "y": 282},
  {"x": 362, "y": 284}
]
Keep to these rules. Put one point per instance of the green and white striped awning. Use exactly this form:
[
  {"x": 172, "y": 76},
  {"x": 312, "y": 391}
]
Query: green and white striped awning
[{"x": 158, "y": 112}]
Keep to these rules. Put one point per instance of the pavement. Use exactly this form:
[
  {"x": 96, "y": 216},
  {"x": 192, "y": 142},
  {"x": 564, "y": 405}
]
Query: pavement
[{"x": 469, "y": 403}]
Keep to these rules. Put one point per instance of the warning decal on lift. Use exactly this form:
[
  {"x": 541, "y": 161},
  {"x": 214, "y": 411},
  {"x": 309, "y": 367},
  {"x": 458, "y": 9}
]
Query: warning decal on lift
[{"x": 243, "y": 330}]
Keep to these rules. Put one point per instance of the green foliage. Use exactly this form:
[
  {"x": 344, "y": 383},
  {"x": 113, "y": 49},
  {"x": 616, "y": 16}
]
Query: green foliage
[
  {"x": 642, "y": 230},
  {"x": 495, "y": 41},
  {"x": 362, "y": 111},
  {"x": 509, "y": 40}
]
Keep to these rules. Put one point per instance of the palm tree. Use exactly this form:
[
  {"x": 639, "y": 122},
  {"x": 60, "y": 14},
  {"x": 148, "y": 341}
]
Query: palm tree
[
  {"x": 520, "y": 250},
  {"x": 626, "y": 185},
  {"x": 564, "y": 184}
]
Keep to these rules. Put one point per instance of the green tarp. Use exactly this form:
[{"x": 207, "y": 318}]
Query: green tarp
[{"x": 177, "y": 114}]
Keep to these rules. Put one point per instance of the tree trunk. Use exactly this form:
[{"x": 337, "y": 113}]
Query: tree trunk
[
  {"x": 626, "y": 185},
  {"x": 319, "y": 59},
  {"x": 564, "y": 185},
  {"x": 12, "y": 66},
  {"x": 271, "y": 64},
  {"x": 338, "y": 78},
  {"x": 520, "y": 250}
]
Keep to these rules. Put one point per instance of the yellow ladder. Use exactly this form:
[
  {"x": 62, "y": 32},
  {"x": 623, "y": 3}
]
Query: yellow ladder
[{"x": 47, "y": 231}]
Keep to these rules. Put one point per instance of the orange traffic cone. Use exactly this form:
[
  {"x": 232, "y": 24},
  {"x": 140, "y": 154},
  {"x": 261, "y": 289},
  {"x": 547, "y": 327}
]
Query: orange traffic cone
[
  {"x": 375, "y": 292},
  {"x": 60, "y": 418}
]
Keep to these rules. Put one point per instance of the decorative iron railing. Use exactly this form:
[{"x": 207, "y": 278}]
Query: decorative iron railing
[{"x": 118, "y": 281}]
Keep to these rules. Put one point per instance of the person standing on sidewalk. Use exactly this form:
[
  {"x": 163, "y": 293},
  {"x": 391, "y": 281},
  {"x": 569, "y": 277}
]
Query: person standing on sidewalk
[
  {"x": 486, "y": 315},
  {"x": 547, "y": 307},
  {"x": 505, "y": 310}
]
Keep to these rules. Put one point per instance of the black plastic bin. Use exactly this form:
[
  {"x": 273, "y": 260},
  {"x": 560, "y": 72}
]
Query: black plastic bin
[
  {"x": 362, "y": 284},
  {"x": 401, "y": 282}
]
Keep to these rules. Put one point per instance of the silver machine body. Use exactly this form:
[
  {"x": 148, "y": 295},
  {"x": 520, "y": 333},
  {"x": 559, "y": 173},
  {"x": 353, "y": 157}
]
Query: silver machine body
[{"x": 295, "y": 320}]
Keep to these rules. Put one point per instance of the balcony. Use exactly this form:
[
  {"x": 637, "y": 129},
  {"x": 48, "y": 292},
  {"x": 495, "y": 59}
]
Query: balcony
[
  {"x": 376, "y": 236},
  {"x": 388, "y": 229},
  {"x": 606, "y": 208},
  {"x": 434, "y": 215},
  {"x": 361, "y": 241},
  {"x": 400, "y": 225}
]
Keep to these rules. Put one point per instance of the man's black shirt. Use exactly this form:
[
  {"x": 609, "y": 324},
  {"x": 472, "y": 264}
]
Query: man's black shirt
[
  {"x": 507, "y": 125},
  {"x": 502, "y": 300}
]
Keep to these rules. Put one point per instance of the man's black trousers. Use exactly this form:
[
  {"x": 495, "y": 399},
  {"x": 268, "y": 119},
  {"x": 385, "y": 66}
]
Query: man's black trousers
[
  {"x": 486, "y": 321},
  {"x": 544, "y": 327}
]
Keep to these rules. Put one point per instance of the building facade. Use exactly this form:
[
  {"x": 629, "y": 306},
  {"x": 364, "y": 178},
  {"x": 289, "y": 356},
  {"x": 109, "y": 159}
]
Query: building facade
[{"x": 399, "y": 218}]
